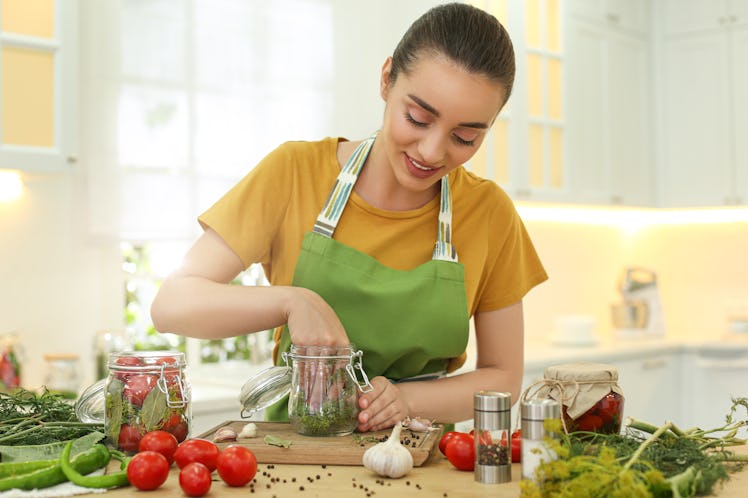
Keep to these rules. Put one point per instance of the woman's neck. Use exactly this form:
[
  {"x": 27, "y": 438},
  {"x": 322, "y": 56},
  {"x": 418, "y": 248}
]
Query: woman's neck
[{"x": 377, "y": 184}]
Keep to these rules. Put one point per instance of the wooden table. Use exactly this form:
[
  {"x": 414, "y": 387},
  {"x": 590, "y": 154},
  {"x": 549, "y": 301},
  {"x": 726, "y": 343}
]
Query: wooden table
[{"x": 436, "y": 478}]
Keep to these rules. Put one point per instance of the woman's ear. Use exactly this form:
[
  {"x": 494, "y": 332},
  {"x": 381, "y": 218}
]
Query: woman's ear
[{"x": 384, "y": 83}]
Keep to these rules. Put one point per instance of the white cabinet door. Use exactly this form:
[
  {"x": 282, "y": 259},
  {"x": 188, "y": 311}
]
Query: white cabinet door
[
  {"x": 631, "y": 15},
  {"x": 688, "y": 16},
  {"x": 609, "y": 131},
  {"x": 696, "y": 163},
  {"x": 652, "y": 387},
  {"x": 713, "y": 377},
  {"x": 740, "y": 110}
]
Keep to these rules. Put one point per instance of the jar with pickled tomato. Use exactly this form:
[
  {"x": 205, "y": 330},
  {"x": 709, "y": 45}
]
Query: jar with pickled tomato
[
  {"x": 144, "y": 391},
  {"x": 591, "y": 399}
]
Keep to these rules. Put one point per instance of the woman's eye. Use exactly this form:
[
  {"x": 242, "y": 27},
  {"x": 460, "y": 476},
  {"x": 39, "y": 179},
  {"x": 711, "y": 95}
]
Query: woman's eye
[
  {"x": 413, "y": 121},
  {"x": 463, "y": 141}
]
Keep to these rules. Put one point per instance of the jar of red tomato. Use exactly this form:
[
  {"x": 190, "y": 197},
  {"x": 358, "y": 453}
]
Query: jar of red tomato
[
  {"x": 144, "y": 391},
  {"x": 591, "y": 399}
]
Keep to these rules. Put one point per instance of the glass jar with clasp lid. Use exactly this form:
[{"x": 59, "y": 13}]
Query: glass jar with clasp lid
[
  {"x": 143, "y": 391},
  {"x": 322, "y": 385}
]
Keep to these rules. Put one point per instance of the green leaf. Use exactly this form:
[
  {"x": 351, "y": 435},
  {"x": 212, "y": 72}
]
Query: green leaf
[
  {"x": 276, "y": 441},
  {"x": 50, "y": 451},
  {"x": 154, "y": 410}
]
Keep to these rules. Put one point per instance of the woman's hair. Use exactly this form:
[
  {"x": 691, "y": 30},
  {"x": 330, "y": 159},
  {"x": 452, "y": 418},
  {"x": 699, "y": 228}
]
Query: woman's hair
[{"x": 467, "y": 35}]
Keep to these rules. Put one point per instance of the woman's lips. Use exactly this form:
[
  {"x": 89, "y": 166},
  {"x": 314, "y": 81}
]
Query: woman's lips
[{"x": 417, "y": 169}]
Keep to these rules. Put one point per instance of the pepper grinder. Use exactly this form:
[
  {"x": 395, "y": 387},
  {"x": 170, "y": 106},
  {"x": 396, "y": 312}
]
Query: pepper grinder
[{"x": 492, "y": 421}]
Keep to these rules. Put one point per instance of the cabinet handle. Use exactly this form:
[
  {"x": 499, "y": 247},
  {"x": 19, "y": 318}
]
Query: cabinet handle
[
  {"x": 613, "y": 18},
  {"x": 734, "y": 18},
  {"x": 741, "y": 363},
  {"x": 722, "y": 20},
  {"x": 653, "y": 364}
]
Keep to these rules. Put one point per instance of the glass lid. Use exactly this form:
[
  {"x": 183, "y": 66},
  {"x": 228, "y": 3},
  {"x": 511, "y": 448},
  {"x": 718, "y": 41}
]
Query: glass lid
[{"x": 264, "y": 389}]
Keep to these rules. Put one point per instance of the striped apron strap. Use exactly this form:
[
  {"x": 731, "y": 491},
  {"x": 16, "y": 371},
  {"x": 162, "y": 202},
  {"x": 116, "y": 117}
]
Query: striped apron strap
[{"x": 328, "y": 217}]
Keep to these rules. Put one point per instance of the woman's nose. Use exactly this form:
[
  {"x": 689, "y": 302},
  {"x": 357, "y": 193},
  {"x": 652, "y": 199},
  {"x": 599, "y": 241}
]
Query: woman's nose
[{"x": 432, "y": 148}]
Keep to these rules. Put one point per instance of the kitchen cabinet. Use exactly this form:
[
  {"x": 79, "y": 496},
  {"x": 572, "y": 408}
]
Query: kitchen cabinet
[
  {"x": 712, "y": 375},
  {"x": 652, "y": 386},
  {"x": 704, "y": 104},
  {"x": 38, "y": 86},
  {"x": 609, "y": 93}
]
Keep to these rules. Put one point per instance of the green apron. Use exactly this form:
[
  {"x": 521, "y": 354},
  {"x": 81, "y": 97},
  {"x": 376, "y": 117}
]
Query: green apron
[{"x": 407, "y": 323}]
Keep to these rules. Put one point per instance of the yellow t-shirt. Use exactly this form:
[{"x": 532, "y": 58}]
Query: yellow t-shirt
[{"x": 265, "y": 216}]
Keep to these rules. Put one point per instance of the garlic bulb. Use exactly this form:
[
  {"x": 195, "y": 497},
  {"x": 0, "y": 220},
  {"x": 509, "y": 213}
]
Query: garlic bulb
[{"x": 389, "y": 458}]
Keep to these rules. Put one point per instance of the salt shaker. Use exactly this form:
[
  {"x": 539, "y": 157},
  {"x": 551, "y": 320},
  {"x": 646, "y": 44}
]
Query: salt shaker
[
  {"x": 492, "y": 417},
  {"x": 535, "y": 413}
]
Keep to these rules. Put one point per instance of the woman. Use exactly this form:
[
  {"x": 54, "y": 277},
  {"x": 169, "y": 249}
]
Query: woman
[{"x": 387, "y": 243}]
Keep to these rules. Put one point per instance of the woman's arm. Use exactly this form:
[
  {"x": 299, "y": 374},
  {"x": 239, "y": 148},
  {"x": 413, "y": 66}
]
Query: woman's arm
[
  {"x": 499, "y": 367},
  {"x": 196, "y": 300}
]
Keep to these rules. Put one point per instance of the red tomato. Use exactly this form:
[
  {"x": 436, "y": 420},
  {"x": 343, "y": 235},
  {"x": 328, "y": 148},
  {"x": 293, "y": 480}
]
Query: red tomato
[
  {"x": 194, "y": 479},
  {"x": 147, "y": 470},
  {"x": 161, "y": 442},
  {"x": 236, "y": 465},
  {"x": 460, "y": 451},
  {"x": 589, "y": 422},
  {"x": 445, "y": 439},
  {"x": 127, "y": 361},
  {"x": 129, "y": 438},
  {"x": 177, "y": 426},
  {"x": 197, "y": 450},
  {"x": 517, "y": 446},
  {"x": 608, "y": 407},
  {"x": 138, "y": 386}
]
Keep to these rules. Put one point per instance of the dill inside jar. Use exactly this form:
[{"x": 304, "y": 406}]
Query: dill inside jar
[{"x": 591, "y": 399}]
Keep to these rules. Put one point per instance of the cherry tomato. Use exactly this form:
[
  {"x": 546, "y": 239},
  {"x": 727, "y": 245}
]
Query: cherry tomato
[
  {"x": 517, "y": 446},
  {"x": 194, "y": 479},
  {"x": 138, "y": 386},
  {"x": 147, "y": 470},
  {"x": 608, "y": 407},
  {"x": 236, "y": 465},
  {"x": 197, "y": 450},
  {"x": 177, "y": 425},
  {"x": 445, "y": 439},
  {"x": 460, "y": 451},
  {"x": 589, "y": 422},
  {"x": 161, "y": 442},
  {"x": 129, "y": 438},
  {"x": 127, "y": 361}
]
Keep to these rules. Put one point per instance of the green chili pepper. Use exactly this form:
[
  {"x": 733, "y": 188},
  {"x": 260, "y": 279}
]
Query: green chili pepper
[
  {"x": 86, "y": 462},
  {"x": 106, "y": 481},
  {"x": 9, "y": 469}
]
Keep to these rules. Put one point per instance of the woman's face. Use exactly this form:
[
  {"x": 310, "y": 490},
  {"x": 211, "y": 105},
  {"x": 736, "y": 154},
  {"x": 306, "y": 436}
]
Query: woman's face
[{"x": 436, "y": 116}]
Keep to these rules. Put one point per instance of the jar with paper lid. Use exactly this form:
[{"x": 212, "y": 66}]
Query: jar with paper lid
[{"x": 591, "y": 399}]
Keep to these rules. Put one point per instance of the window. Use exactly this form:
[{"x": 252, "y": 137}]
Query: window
[{"x": 183, "y": 97}]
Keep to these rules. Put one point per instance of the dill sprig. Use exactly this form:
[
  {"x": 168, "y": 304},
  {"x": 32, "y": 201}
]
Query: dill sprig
[
  {"x": 28, "y": 418},
  {"x": 645, "y": 461}
]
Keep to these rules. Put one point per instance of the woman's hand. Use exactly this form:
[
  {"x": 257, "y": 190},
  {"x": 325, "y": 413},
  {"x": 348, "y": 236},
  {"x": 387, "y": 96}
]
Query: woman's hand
[
  {"x": 381, "y": 408},
  {"x": 311, "y": 321}
]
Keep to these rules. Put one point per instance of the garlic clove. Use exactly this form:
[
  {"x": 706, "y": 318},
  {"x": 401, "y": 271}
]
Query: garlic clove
[
  {"x": 248, "y": 431},
  {"x": 389, "y": 458},
  {"x": 418, "y": 424},
  {"x": 224, "y": 434}
]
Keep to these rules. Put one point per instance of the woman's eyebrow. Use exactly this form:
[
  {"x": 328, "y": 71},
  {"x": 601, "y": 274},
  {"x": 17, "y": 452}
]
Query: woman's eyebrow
[{"x": 431, "y": 109}]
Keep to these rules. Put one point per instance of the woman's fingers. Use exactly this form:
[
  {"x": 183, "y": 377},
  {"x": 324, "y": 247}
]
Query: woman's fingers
[{"x": 381, "y": 408}]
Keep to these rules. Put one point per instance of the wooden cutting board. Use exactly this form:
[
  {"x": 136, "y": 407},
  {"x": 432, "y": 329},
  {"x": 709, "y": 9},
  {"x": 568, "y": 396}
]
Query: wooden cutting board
[{"x": 330, "y": 450}]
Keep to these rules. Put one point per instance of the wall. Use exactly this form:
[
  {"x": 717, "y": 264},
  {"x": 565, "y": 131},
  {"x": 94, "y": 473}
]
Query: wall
[
  {"x": 57, "y": 285},
  {"x": 701, "y": 271}
]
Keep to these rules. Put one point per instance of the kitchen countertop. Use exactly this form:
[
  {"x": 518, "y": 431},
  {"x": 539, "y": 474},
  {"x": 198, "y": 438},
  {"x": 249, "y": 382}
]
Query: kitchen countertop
[{"x": 435, "y": 478}]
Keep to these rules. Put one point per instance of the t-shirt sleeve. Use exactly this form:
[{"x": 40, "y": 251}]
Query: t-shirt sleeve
[
  {"x": 249, "y": 214},
  {"x": 516, "y": 267}
]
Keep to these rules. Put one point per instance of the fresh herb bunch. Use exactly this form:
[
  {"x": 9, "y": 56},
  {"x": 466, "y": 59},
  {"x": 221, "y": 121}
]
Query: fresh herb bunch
[
  {"x": 30, "y": 418},
  {"x": 646, "y": 461}
]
